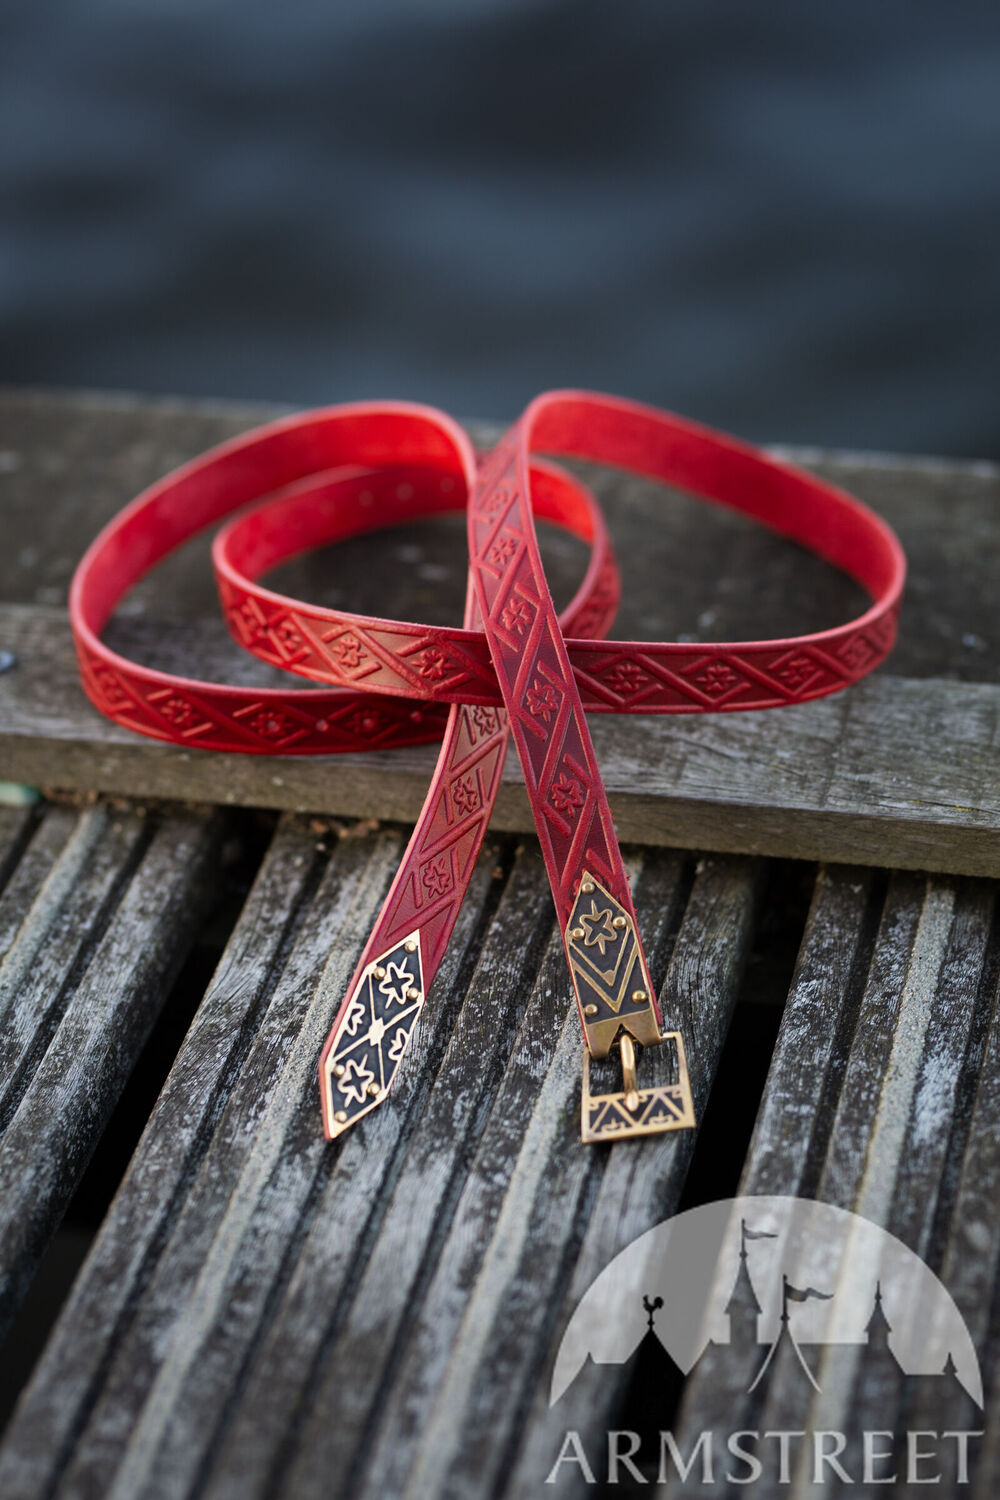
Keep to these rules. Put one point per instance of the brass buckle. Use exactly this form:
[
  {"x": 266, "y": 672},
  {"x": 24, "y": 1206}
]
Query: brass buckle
[
  {"x": 617, "y": 1006},
  {"x": 636, "y": 1111}
]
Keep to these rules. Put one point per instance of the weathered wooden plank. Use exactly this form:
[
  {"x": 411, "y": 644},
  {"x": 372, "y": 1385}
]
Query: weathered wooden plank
[
  {"x": 890, "y": 1138},
  {"x": 82, "y": 984},
  {"x": 529, "y": 1150},
  {"x": 691, "y": 571},
  {"x": 38, "y": 854},
  {"x": 456, "y": 1391},
  {"x": 949, "y": 1002},
  {"x": 969, "y": 1259},
  {"x": 319, "y": 1355},
  {"x": 58, "y": 935},
  {"x": 71, "y": 460},
  {"x": 56, "y": 1403},
  {"x": 252, "y": 1188},
  {"x": 245, "y": 1262},
  {"x": 891, "y": 1015},
  {"x": 895, "y": 771},
  {"x": 264, "y": 1316},
  {"x": 450, "y": 1414},
  {"x": 165, "y": 1459},
  {"x": 16, "y": 827},
  {"x": 188, "y": 1263},
  {"x": 744, "y": 584},
  {"x": 318, "y": 1339},
  {"x": 639, "y": 1187}
]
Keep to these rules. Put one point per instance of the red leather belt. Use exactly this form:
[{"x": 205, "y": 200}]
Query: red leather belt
[{"x": 515, "y": 668}]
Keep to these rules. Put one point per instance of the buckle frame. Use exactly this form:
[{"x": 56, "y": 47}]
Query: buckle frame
[{"x": 634, "y": 1111}]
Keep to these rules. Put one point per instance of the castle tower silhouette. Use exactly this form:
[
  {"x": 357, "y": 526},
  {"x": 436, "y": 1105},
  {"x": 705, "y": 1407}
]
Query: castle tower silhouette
[
  {"x": 743, "y": 1309},
  {"x": 645, "y": 1389},
  {"x": 879, "y": 1328}
]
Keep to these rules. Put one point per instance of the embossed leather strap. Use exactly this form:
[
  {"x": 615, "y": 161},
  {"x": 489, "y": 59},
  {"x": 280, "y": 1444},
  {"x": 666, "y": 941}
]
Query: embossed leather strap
[
  {"x": 391, "y": 658},
  {"x": 525, "y": 662},
  {"x": 615, "y": 995},
  {"x": 646, "y": 677},
  {"x": 403, "y": 952},
  {"x": 344, "y": 465},
  {"x": 383, "y": 1002},
  {"x": 337, "y": 472}
]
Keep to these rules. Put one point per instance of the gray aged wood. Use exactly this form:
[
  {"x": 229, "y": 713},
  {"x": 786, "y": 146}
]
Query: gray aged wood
[
  {"x": 233, "y": 1142},
  {"x": 873, "y": 1103},
  {"x": 253, "y": 1275},
  {"x": 902, "y": 770},
  {"x": 265, "y": 1317},
  {"x": 637, "y": 1191},
  {"x": 691, "y": 571},
  {"x": 16, "y": 826},
  {"x": 93, "y": 927},
  {"x": 899, "y": 770}
]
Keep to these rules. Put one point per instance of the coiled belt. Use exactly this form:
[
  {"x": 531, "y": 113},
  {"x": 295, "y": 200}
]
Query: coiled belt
[{"x": 515, "y": 668}]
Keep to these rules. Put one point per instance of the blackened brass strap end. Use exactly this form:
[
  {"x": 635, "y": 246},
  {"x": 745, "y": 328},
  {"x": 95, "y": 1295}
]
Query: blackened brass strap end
[
  {"x": 612, "y": 983},
  {"x": 373, "y": 1032}
]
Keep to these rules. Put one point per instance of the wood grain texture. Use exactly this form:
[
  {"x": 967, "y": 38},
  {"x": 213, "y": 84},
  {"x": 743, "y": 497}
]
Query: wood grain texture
[
  {"x": 265, "y": 1317},
  {"x": 251, "y": 1278},
  {"x": 164, "y": 1169},
  {"x": 899, "y": 771},
  {"x": 639, "y": 1188},
  {"x": 492, "y": 1286},
  {"x": 16, "y": 827},
  {"x": 225, "y": 1186},
  {"x": 691, "y": 571},
  {"x": 94, "y": 927},
  {"x": 880, "y": 1100}
]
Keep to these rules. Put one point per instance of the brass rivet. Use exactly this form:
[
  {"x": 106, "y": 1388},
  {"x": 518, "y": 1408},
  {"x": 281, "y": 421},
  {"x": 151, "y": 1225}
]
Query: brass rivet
[
  {"x": 639, "y": 995},
  {"x": 410, "y": 946},
  {"x": 379, "y": 972},
  {"x": 619, "y": 922},
  {"x": 339, "y": 1070},
  {"x": 412, "y": 994},
  {"x": 590, "y": 1010},
  {"x": 587, "y": 887},
  {"x": 341, "y": 1117},
  {"x": 576, "y": 932},
  {"x": 373, "y": 1089}
]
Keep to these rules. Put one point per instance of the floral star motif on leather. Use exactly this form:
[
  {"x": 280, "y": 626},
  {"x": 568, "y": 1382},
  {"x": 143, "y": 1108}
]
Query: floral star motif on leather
[
  {"x": 597, "y": 927},
  {"x": 395, "y": 984}
]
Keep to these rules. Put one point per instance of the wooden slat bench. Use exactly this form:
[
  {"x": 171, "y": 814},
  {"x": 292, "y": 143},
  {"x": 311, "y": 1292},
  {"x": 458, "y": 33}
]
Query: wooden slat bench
[{"x": 263, "y": 1315}]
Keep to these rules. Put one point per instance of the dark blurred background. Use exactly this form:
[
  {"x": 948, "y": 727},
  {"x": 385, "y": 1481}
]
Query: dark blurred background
[{"x": 778, "y": 217}]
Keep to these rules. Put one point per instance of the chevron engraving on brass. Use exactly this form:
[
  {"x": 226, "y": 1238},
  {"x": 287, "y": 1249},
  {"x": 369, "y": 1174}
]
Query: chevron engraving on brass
[
  {"x": 635, "y": 1112},
  {"x": 373, "y": 1035},
  {"x": 610, "y": 978}
]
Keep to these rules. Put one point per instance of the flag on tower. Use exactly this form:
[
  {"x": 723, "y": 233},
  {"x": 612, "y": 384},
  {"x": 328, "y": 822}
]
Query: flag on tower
[
  {"x": 803, "y": 1294},
  {"x": 752, "y": 1234}
]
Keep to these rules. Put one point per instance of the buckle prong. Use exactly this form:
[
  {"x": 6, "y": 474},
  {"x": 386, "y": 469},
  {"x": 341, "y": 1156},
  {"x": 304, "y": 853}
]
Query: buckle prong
[{"x": 627, "y": 1049}]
